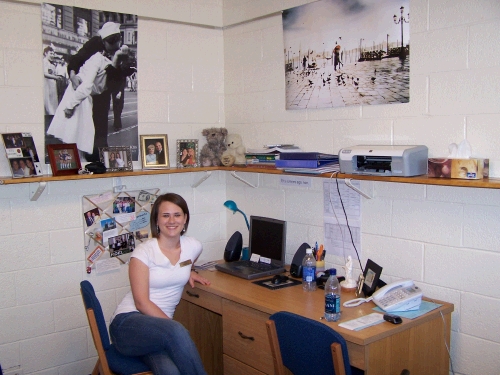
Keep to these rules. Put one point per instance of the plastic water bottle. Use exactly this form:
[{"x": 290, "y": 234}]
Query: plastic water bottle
[
  {"x": 332, "y": 297},
  {"x": 309, "y": 272}
]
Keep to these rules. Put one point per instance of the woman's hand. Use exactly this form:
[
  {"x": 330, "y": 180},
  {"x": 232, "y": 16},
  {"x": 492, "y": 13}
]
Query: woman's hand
[
  {"x": 195, "y": 277},
  {"x": 68, "y": 112}
]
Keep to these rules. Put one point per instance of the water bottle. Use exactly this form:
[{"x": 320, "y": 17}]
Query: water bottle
[
  {"x": 332, "y": 297},
  {"x": 309, "y": 272}
]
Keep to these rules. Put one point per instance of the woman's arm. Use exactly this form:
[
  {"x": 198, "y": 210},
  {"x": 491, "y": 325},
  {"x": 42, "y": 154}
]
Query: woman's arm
[
  {"x": 195, "y": 277},
  {"x": 139, "y": 283}
]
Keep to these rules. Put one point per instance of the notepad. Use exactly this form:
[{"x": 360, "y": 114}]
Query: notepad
[{"x": 363, "y": 322}]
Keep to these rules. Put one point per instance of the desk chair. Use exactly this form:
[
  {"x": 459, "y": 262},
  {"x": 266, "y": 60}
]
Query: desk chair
[
  {"x": 109, "y": 361},
  {"x": 306, "y": 347}
]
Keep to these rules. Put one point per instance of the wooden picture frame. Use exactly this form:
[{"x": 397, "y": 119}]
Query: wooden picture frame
[
  {"x": 107, "y": 156},
  {"x": 151, "y": 156},
  {"x": 64, "y": 159},
  {"x": 187, "y": 153}
]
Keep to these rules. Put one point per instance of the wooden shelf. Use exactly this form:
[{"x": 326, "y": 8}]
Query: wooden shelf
[{"x": 487, "y": 183}]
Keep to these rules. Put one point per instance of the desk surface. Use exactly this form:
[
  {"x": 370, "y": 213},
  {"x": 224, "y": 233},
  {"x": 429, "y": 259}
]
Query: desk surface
[{"x": 309, "y": 304}]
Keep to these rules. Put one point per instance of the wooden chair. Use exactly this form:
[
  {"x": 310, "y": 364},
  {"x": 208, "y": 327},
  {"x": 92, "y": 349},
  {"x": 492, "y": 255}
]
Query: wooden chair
[
  {"x": 109, "y": 361},
  {"x": 303, "y": 347}
]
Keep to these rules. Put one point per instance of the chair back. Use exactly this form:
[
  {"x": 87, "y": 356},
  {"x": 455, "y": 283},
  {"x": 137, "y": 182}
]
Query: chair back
[
  {"x": 91, "y": 302},
  {"x": 306, "y": 345}
]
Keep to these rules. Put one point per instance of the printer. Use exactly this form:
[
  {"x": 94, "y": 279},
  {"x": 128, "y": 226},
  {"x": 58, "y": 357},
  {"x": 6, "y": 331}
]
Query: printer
[{"x": 381, "y": 160}]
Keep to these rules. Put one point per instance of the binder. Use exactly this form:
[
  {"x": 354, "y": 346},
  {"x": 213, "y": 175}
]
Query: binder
[
  {"x": 303, "y": 163},
  {"x": 308, "y": 156}
]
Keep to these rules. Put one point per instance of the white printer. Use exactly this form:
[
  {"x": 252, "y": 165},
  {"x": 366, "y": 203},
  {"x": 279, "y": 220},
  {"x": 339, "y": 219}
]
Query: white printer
[{"x": 381, "y": 160}]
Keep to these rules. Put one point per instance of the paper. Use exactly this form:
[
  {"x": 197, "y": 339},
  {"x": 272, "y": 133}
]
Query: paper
[
  {"x": 425, "y": 307},
  {"x": 363, "y": 322},
  {"x": 107, "y": 265},
  {"x": 337, "y": 236}
]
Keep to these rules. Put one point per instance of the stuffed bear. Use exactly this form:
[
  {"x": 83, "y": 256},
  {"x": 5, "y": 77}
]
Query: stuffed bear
[
  {"x": 235, "y": 153},
  {"x": 211, "y": 152}
]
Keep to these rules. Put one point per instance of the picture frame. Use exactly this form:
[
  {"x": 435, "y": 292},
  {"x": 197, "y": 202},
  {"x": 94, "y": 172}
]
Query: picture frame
[
  {"x": 22, "y": 155},
  {"x": 371, "y": 277},
  {"x": 64, "y": 159},
  {"x": 108, "y": 157},
  {"x": 187, "y": 153},
  {"x": 152, "y": 157}
]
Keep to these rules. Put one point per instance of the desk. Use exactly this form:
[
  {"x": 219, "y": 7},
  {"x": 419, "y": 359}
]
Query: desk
[{"x": 227, "y": 323}]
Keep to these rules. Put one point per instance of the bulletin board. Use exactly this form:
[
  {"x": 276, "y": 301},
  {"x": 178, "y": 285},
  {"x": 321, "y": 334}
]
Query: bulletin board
[{"x": 114, "y": 224}]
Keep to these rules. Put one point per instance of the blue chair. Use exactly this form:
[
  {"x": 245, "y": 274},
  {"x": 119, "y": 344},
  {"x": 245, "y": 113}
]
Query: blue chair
[
  {"x": 109, "y": 361},
  {"x": 306, "y": 347}
]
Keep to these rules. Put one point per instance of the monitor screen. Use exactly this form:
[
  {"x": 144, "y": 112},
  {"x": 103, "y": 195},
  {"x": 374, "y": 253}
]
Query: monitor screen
[{"x": 268, "y": 237}]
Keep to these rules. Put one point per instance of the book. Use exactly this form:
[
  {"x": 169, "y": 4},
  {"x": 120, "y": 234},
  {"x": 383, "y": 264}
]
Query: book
[
  {"x": 333, "y": 167},
  {"x": 363, "y": 322},
  {"x": 275, "y": 149},
  {"x": 264, "y": 157},
  {"x": 295, "y": 163},
  {"x": 308, "y": 156},
  {"x": 22, "y": 156}
]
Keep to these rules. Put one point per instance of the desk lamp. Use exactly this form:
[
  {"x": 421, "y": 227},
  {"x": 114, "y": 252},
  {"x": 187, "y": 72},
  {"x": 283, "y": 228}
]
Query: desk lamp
[{"x": 233, "y": 207}]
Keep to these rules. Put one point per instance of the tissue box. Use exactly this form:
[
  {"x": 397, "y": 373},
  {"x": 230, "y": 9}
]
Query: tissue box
[{"x": 466, "y": 169}]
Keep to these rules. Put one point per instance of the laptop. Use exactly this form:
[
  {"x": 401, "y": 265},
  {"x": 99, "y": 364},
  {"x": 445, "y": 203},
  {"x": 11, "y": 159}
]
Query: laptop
[{"x": 268, "y": 240}]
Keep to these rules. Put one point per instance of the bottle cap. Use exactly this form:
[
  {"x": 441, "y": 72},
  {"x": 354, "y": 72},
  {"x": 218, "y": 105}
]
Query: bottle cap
[
  {"x": 309, "y": 251},
  {"x": 332, "y": 271}
]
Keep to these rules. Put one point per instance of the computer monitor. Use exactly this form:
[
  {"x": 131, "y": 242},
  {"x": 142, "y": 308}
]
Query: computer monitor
[{"x": 268, "y": 238}]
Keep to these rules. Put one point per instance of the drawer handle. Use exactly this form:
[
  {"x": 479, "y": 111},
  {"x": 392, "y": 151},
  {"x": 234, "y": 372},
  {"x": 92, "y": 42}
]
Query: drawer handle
[
  {"x": 245, "y": 336},
  {"x": 192, "y": 294}
]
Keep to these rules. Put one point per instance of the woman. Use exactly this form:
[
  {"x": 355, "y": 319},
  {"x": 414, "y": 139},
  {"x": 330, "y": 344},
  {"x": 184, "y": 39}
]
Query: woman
[
  {"x": 151, "y": 156},
  {"x": 49, "y": 84},
  {"x": 159, "y": 268},
  {"x": 73, "y": 121},
  {"x": 112, "y": 160}
]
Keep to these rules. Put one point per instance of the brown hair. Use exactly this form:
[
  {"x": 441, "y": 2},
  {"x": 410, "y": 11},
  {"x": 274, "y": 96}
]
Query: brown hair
[{"x": 172, "y": 198}]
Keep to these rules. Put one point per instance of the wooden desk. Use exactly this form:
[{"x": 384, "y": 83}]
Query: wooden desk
[{"x": 227, "y": 323}]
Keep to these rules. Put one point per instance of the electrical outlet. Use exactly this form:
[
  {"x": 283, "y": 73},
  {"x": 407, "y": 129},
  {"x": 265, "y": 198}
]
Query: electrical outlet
[{"x": 14, "y": 371}]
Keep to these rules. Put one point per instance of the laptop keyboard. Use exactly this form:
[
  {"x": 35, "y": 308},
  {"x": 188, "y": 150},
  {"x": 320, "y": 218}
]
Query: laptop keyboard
[{"x": 258, "y": 266}]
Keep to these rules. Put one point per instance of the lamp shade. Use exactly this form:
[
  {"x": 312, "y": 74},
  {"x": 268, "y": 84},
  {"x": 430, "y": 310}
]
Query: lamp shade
[{"x": 233, "y": 207}]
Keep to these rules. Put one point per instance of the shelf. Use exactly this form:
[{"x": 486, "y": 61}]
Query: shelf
[{"x": 487, "y": 183}]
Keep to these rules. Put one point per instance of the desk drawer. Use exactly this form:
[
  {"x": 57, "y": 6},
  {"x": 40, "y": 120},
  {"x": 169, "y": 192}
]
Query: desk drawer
[
  {"x": 245, "y": 336},
  {"x": 234, "y": 367},
  {"x": 202, "y": 298}
]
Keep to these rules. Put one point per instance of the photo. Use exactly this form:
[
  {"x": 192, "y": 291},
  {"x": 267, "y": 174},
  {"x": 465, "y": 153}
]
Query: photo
[
  {"x": 21, "y": 152},
  {"x": 187, "y": 153},
  {"x": 64, "y": 159},
  {"x": 116, "y": 158},
  {"x": 91, "y": 217},
  {"x": 154, "y": 149},
  {"x": 121, "y": 244},
  {"x": 124, "y": 205},
  {"x": 142, "y": 234},
  {"x": 108, "y": 224},
  {"x": 89, "y": 60},
  {"x": 339, "y": 55}
]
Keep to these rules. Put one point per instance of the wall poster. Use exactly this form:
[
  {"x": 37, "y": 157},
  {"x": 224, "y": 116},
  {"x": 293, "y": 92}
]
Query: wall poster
[
  {"x": 114, "y": 224},
  {"x": 341, "y": 53},
  {"x": 85, "y": 101}
]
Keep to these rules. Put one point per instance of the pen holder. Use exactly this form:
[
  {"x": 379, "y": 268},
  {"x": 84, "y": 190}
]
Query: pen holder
[
  {"x": 320, "y": 266},
  {"x": 245, "y": 253}
]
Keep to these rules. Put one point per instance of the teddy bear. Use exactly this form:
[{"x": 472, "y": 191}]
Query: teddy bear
[
  {"x": 211, "y": 152},
  {"x": 235, "y": 152}
]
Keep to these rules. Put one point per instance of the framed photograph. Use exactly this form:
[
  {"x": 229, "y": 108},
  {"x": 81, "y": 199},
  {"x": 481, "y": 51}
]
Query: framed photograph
[
  {"x": 21, "y": 154},
  {"x": 64, "y": 159},
  {"x": 116, "y": 158},
  {"x": 154, "y": 151},
  {"x": 187, "y": 153}
]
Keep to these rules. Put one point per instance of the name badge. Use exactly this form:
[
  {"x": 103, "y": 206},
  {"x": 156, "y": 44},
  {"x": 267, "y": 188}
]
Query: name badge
[{"x": 186, "y": 263}]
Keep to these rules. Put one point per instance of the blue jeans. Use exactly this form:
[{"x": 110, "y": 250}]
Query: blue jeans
[{"x": 164, "y": 344}]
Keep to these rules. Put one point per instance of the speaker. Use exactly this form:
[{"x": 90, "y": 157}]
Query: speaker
[
  {"x": 296, "y": 267},
  {"x": 233, "y": 247}
]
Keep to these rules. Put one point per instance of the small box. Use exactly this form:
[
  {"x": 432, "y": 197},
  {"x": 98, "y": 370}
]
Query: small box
[{"x": 466, "y": 169}]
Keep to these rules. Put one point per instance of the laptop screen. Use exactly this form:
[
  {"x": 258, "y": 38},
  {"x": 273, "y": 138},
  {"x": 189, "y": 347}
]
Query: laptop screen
[{"x": 268, "y": 238}]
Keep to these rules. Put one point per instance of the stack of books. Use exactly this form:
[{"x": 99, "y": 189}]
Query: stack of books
[
  {"x": 308, "y": 162},
  {"x": 266, "y": 157}
]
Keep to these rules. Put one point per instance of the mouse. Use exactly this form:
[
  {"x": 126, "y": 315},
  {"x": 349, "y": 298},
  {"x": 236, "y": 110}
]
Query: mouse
[{"x": 279, "y": 279}]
